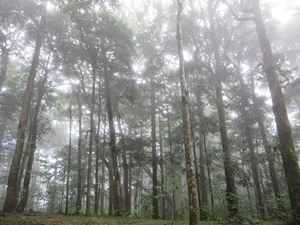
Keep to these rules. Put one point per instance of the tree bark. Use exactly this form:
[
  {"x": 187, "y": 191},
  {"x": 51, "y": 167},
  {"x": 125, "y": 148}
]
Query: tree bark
[
  {"x": 92, "y": 129},
  {"x": 32, "y": 144},
  {"x": 127, "y": 202},
  {"x": 154, "y": 156},
  {"x": 117, "y": 196},
  {"x": 98, "y": 153},
  {"x": 231, "y": 196},
  {"x": 69, "y": 161},
  {"x": 79, "y": 158},
  {"x": 15, "y": 165},
  {"x": 208, "y": 171},
  {"x": 203, "y": 187},
  {"x": 270, "y": 158},
  {"x": 286, "y": 144},
  {"x": 190, "y": 174},
  {"x": 163, "y": 192},
  {"x": 172, "y": 166},
  {"x": 253, "y": 161}
]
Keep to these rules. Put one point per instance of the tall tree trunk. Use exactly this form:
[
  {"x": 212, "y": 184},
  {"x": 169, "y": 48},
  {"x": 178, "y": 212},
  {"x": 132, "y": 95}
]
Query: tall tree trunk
[
  {"x": 117, "y": 195},
  {"x": 22, "y": 169},
  {"x": 202, "y": 186},
  {"x": 127, "y": 203},
  {"x": 197, "y": 174},
  {"x": 172, "y": 166},
  {"x": 98, "y": 153},
  {"x": 69, "y": 160},
  {"x": 190, "y": 174},
  {"x": 32, "y": 143},
  {"x": 248, "y": 134},
  {"x": 286, "y": 144},
  {"x": 208, "y": 170},
  {"x": 231, "y": 196},
  {"x": 163, "y": 199},
  {"x": 103, "y": 169},
  {"x": 79, "y": 158},
  {"x": 154, "y": 157},
  {"x": 92, "y": 129},
  {"x": 15, "y": 165},
  {"x": 270, "y": 158}
]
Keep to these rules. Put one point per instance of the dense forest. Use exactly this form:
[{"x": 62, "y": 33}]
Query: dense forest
[{"x": 158, "y": 109}]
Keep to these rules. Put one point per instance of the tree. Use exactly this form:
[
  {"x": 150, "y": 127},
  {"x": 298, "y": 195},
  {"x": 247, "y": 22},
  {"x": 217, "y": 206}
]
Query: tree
[
  {"x": 286, "y": 144},
  {"x": 154, "y": 156},
  {"x": 190, "y": 174},
  {"x": 32, "y": 143},
  {"x": 230, "y": 183},
  {"x": 14, "y": 168},
  {"x": 284, "y": 131},
  {"x": 79, "y": 160}
]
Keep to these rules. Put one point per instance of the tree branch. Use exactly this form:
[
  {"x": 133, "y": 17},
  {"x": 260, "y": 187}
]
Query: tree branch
[{"x": 236, "y": 17}]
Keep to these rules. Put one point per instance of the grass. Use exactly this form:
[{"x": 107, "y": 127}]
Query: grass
[{"x": 53, "y": 219}]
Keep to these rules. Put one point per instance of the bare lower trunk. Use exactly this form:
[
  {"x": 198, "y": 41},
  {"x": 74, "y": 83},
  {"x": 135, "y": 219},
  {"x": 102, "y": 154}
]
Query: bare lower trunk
[
  {"x": 172, "y": 167},
  {"x": 69, "y": 162},
  {"x": 190, "y": 174},
  {"x": 127, "y": 202},
  {"x": 15, "y": 165},
  {"x": 92, "y": 130},
  {"x": 161, "y": 163},
  {"x": 270, "y": 158},
  {"x": 208, "y": 171},
  {"x": 202, "y": 186},
  {"x": 154, "y": 157},
  {"x": 79, "y": 159},
  {"x": 32, "y": 144},
  {"x": 229, "y": 177},
  {"x": 286, "y": 144},
  {"x": 248, "y": 134},
  {"x": 117, "y": 195}
]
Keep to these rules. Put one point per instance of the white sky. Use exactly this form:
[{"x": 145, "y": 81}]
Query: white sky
[{"x": 283, "y": 10}]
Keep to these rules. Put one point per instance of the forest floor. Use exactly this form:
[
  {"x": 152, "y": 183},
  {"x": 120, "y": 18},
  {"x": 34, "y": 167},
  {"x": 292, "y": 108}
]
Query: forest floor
[{"x": 52, "y": 219}]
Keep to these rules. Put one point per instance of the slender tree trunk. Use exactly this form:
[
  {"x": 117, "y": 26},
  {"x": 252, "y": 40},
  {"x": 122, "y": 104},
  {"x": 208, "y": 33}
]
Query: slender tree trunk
[
  {"x": 231, "y": 196},
  {"x": 163, "y": 199},
  {"x": 15, "y": 165},
  {"x": 197, "y": 175},
  {"x": 202, "y": 186},
  {"x": 154, "y": 157},
  {"x": 98, "y": 153},
  {"x": 117, "y": 196},
  {"x": 208, "y": 171},
  {"x": 69, "y": 161},
  {"x": 79, "y": 159},
  {"x": 90, "y": 160},
  {"x": 190, "y": 174},
  {"x": 172, "y": 167},
  {"x": 22, "y": 169},
  {"x": 127, "y": 203},
  {"x": 286, "y": 144},
  {"x": 248, "y": 135},
  {"x": 102, "y": 189},
  {"x": 32, "y": 143},
  {"x": 103, "y": 170},
  {"x": 270, "y": 158}
]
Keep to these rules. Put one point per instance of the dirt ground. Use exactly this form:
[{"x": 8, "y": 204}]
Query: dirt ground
[{"x": 47, "y": 219}]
